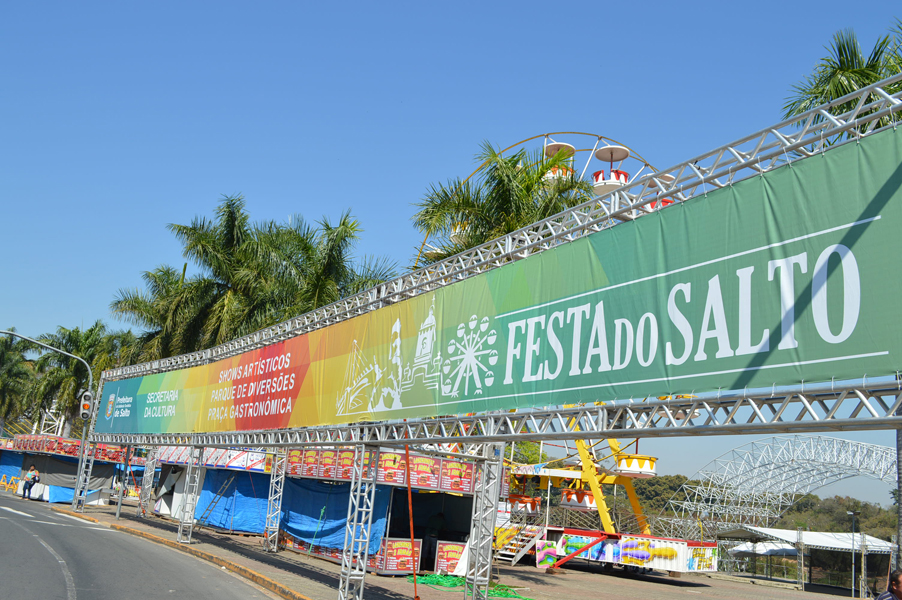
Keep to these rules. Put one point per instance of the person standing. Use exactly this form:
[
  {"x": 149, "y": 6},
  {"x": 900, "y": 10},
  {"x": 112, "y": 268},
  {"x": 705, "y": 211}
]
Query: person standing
[
  {"x": 893, "y": 587},
  {"x": 32, "y": 477}
]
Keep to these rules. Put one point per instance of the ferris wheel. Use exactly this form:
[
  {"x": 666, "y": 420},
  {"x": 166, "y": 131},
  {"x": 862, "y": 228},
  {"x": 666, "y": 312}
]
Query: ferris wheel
[
  {"x": 608, "y": 163},
  {"x": 603, "y": 162}
]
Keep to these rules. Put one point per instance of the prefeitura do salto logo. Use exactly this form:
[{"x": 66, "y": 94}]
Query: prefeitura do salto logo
[{"x": 465, "y": 371}]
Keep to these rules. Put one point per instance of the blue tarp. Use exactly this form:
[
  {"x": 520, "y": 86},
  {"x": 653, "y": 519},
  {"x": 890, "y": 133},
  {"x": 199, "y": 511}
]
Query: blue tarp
[
  {"x": 242, "y": 506},
  {"x": 64, "y": 494},
  {"x": 317, "y": 512},
  {"x": 135, "y": 470},
  {"x": 10, "y": 464}
]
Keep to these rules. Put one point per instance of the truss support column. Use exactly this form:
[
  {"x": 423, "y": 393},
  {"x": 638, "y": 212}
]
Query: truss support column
[
  {"x": 189, "y": 498},
  {"x": 145, "y": 499},
  {"x": 360, "y": 519},
  {"x": 274, "y": 506},
  {"x": 482, "y": 527},
  {"x": 83, "y": 476}
]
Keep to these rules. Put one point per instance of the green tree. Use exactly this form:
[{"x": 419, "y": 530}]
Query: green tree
[
  {"x": 162, "y": 312},
  {"x": 505, "y": 194},
  {"x": 16, "y": 377},
  {"x": 655, "y": 492},
  {"x": 60, "y": 377},
  {"x": 832, "y": 514},
  {"x": 316, "y": 266},
  {"x": 250, "y": 277},
  {"x": 529, "y": 453},
  {"x": 844, "y": 70}
]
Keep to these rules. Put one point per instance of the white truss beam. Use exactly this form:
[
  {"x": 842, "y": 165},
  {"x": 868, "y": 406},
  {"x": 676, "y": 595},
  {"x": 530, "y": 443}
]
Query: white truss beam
[
  {"x": 757, "y": 482},
  {"x": 868, "y": 404}
]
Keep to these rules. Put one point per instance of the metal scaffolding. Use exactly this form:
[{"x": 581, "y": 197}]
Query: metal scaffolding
[
  {"x": 482, "y": 526},
  {"x": 189, "y": 497},
  {"x": 866, "y": 404},
  {"x": 145, "y": 499},
  {"x": 360, "y": 520},
  {"x": 757, "y": 482},
  {"x": 274, "y": 506},
  {"x": 83, "y": 477}
]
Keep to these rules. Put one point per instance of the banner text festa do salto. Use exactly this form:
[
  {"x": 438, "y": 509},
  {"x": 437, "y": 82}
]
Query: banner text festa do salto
[{"x": 788, "y": 277}]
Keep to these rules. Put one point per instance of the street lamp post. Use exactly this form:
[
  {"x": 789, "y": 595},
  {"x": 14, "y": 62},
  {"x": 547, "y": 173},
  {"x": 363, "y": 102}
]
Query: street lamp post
[
  {"x": 853, "y": 513},
  {"x": 84, "y": 429}
]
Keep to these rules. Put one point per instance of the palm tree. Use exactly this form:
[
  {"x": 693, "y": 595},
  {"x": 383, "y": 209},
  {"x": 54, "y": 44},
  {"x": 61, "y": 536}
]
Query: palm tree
[
  {"x": 16, "y": 377},
  {"x": 316, "y": 265},
  {"x": 845, "y": 70},
  {"x": 250, "y": 277},
  {"x": 170, "y": 326},
  {"x": 61, "y": 378},
  {"x": 509, "y": 192}
]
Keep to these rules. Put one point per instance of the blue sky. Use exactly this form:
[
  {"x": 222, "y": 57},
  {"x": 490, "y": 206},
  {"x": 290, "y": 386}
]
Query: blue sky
[{"x": 121, "y": 118}]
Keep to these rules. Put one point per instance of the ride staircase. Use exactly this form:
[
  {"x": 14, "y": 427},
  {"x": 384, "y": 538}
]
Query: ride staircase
[
  {"x": 521, "y": 536},
  {"x": 519, "y": 544}
]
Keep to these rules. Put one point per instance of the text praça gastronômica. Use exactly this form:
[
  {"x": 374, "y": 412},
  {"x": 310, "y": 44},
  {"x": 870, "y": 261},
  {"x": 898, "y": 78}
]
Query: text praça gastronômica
[{"x": 254, "y": 408}]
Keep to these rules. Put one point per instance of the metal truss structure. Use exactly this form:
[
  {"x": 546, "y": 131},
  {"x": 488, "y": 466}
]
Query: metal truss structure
[
  {"x": 83, "y": 476},
  {"x": 866, "y": 404},
  {"x": 52, "y": 422},
  {"x": 274, "y": 505},
  {"x": 145, "y": 498},
  {"x": 482, "y": 526},
  {"x": 189, "y": 498},
  {"x": 756, "y": 483},
  {"x": 860, "y": 405},
  {"x": 360, "y": 521}
]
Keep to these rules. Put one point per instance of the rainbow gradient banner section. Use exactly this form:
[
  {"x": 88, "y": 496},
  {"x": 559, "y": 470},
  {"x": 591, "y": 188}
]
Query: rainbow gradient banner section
[{"x": 779, "y": 279}]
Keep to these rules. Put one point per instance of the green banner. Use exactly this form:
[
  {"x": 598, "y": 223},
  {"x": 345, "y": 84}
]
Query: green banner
[{"x": 780, "y": 279}]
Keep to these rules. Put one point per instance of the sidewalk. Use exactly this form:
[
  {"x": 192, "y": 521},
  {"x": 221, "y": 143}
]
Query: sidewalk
[{"x": 299, "y": 577}]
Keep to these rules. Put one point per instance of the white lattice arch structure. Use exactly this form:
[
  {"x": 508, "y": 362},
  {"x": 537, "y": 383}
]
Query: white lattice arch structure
[{"x": 757, "y": 482}]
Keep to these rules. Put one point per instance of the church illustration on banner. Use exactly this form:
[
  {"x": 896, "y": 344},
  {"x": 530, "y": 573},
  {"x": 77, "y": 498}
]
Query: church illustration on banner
[{"x": 465, "y": 370}]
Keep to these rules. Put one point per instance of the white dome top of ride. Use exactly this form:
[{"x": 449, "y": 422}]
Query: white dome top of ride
[
  {"x": 554, "y": 147},
  {"x": 611, "y": 154},
  {"x": 663, "y": 178}
]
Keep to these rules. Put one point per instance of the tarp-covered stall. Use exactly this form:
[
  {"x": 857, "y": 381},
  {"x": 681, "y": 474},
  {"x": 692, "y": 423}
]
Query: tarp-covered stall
[
  {"x": 820, "y": 540},
  {"x": 826, "y": 554},
  {"x": 316, "y": 512},
  {"x": 58, "y": 475},
  {"x": 239, "y": 500}
]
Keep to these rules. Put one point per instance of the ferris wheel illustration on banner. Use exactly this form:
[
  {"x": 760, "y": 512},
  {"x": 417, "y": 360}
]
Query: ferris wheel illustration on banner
[{"x": 603, "y": 162}]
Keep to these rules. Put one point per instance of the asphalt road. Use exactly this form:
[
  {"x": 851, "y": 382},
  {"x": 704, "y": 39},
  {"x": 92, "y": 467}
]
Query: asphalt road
[{"x": 48, "y": 556}]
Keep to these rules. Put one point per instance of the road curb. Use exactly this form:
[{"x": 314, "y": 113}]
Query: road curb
[
  {"x": 261, "y": 580},
  {"x": 74, "y": 514}
]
